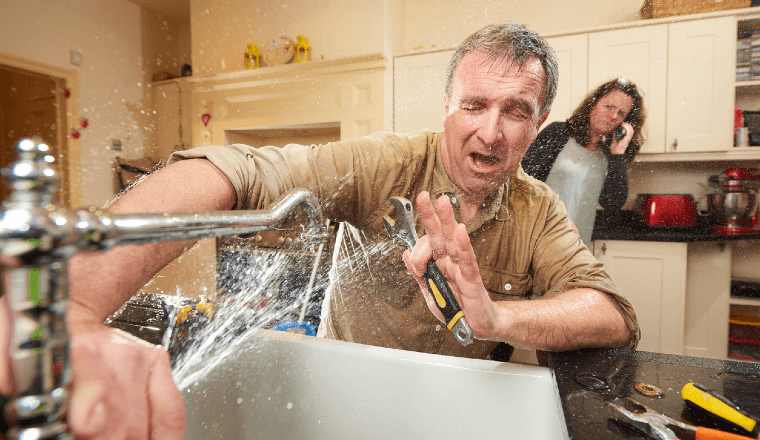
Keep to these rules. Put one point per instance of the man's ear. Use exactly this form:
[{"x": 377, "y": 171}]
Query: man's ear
[{"x": 543, "y": 119}]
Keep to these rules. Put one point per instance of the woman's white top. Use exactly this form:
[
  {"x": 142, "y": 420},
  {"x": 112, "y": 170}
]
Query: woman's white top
[{"x": 578, "y": 176}]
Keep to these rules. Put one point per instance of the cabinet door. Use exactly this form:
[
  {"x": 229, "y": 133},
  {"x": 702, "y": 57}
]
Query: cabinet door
[
  {"x": 419, "y": 83},
  {"x": 652, "y": 275},
  {"x": 572, "y": 52},
  {"x": 701, "y": 70},
  {"x": 639, "y": 55}
]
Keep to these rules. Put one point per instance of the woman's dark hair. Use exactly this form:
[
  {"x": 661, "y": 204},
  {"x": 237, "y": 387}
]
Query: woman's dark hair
[{"x": 579, "y": 122}]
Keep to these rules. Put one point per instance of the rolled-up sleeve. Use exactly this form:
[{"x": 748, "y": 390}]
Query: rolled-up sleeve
[{"x": 562, "y": 262}]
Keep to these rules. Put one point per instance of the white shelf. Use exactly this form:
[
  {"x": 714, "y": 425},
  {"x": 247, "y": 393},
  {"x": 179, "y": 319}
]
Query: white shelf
[{"x": 745, "y": 301}]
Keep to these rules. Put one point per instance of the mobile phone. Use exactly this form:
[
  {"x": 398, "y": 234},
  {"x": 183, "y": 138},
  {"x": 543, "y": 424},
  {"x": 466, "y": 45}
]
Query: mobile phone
[{"x": 619, "y": 133}]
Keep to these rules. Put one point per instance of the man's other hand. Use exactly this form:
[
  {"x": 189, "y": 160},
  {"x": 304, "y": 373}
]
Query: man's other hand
[{"x": 122, "y": 387}]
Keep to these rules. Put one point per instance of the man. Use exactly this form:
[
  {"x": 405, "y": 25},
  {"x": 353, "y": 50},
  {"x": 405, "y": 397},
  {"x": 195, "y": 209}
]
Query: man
[{"x": 505, "y": 239}]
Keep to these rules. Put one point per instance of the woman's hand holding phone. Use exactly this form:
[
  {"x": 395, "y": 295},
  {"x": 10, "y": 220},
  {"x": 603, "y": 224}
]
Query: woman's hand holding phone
[{"x": 621, "y": 138}]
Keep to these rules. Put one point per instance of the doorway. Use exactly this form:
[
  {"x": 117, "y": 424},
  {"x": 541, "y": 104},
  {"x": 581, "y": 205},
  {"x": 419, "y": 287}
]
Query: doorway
[{"x": 38, "y": 100}]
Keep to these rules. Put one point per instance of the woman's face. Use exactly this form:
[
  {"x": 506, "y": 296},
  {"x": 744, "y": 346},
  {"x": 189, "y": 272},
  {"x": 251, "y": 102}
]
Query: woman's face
[{"x": 610, "y": 110}]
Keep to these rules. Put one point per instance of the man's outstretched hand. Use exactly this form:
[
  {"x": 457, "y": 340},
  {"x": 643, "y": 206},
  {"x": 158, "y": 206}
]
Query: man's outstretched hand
[{"x": 447, "y": 242}]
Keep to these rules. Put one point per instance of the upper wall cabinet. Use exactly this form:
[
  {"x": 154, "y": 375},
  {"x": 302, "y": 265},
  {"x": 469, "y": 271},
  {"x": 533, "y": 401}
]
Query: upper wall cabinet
[
  {"x": 685, "y": 70},
  {"x": 419, "y": 83},
  {"x": 701, "y": 72},
  {"x": 572, "y": 52},
  {"x": 639, "y": 55}
]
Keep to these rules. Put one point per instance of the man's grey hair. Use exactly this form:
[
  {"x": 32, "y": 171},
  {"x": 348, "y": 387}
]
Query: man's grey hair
[{"x": 501, "y": 40}]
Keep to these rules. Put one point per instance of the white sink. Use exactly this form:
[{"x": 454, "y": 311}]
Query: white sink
[{"x": 277, "y": 385}]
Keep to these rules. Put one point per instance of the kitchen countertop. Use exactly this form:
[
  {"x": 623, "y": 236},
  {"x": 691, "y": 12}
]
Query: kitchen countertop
[
  {"x": 626, "y": 225},
  {"x": 579, "y": 375}
]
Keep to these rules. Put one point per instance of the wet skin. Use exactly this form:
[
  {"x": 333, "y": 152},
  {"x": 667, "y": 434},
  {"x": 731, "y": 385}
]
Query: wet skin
[{"x": 491, "y": 118}]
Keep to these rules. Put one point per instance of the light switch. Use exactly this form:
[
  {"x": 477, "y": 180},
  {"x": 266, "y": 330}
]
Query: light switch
[{"x": 76, "y": 57}]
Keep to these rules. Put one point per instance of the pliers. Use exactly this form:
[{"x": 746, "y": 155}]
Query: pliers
[{"x": 660, "y": 426}]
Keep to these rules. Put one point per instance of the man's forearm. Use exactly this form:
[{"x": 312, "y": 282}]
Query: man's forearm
[
  {"x": 100, "y": 282},
  {"x": 575, "y": 319}
]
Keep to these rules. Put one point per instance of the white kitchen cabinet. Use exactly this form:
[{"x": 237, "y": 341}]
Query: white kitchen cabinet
[
  {"x": 652, "y": 275},
  {"x": 680, "y": 291},
  {"x": 639, "y": 55},
  {"x": 572, "y": 53},
  {"x": 419, "y": 83},
  {"x": 701, "y": 72},
  {"x": 685, "y": 71},
  {"x": 708, "y": 298}
]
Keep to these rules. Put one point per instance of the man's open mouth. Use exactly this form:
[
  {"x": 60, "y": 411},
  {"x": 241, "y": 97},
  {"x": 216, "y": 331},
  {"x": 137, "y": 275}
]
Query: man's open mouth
[{"x": 483, "y": 159}]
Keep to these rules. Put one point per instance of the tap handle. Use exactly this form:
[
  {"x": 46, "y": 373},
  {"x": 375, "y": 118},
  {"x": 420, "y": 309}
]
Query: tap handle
[{"x": 38, "y": 291}]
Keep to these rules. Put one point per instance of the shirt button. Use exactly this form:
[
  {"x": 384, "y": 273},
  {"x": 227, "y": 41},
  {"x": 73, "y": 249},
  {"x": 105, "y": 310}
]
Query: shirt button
[
  {"x": 438, "y": 327},
  {"x": 507, "y": 286}
]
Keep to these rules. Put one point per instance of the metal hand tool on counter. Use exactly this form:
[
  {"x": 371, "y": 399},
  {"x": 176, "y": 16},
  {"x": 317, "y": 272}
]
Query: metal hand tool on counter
[
  {"x": 718, "y": 407},
  {"x": 660, "y": 426},
  {"x": 402, "y": 231}
]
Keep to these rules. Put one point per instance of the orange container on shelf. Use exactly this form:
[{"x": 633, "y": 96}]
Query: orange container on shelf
[{"x": 744, "y": 328}]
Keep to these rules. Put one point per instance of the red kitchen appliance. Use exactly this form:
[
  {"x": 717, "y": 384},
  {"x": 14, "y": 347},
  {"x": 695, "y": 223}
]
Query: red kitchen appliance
[
  {"x": 667, "y": 209},
  {"x": 734, "y": 201}
]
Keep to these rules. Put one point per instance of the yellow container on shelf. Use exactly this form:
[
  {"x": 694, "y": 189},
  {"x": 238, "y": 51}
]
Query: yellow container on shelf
[{"x": 251, "y": 57}]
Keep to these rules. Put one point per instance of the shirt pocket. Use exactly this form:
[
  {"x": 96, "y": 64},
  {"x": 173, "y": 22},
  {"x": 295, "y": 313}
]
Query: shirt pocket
[{"x": 506, "y": 286}]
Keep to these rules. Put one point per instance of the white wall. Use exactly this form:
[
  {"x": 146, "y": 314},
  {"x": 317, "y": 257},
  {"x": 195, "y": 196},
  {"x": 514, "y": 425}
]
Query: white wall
[
  {"x": 113, "y": 78},
  {"x": 444, "y": 23}
]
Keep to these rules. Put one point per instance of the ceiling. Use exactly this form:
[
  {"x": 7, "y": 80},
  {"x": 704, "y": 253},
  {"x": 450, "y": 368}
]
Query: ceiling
[{"x": 176, "y": 11}]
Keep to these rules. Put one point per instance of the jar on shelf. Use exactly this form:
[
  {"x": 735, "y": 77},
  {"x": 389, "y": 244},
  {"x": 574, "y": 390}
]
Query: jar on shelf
[
  {"x": 251, "y": 57},
  {"x": 302, "y": 49}
]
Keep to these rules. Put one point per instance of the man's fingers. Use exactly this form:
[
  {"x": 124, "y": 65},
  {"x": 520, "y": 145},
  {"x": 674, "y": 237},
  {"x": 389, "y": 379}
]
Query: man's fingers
[
  {"x": 421, "y": 282},
  {"x": 167, "y": 409},
  {"x": 468, "y": 263},
  {"x": 431, "y": 223},
  {"x": 448, "y": 223},
  {"x": 87, "y": 409}
]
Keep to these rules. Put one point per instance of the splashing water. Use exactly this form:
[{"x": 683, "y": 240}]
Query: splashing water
[
  {"x": 259, "y": 290},
  {"x": 267, "y": 288}
]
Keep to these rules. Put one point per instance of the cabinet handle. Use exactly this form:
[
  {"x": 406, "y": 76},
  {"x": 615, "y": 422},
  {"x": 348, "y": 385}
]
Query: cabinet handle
[
  {"x": 675, "y": 144},
  {"x": 604, "y": 248}
]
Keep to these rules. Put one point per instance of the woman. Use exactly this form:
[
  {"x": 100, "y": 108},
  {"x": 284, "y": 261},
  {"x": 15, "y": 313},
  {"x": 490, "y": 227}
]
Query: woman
[{"x": 584, "y": 159}]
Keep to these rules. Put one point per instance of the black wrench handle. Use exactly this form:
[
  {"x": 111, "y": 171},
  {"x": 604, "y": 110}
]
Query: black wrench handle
[{"x": 444, "y": 298}]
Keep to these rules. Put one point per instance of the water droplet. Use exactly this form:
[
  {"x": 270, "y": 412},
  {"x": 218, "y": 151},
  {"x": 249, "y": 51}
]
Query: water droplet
[{"x": 290, "y": 405}]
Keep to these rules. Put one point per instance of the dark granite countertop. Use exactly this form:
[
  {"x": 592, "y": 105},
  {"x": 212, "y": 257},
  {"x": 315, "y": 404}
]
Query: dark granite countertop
[
  {"x": 626, "y": 225},
  {"x": 579, "y": 375}
]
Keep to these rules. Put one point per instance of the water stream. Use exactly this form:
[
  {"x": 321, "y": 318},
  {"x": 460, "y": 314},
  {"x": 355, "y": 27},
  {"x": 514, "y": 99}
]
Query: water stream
[{"x": 259, "y": 290}]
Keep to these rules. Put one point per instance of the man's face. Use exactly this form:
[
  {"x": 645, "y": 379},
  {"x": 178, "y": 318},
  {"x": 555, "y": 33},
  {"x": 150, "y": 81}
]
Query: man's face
[{"x": 491, "y": 118}]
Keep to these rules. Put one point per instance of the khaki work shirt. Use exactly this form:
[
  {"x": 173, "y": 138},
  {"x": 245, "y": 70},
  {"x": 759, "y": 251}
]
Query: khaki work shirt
[{"x": 523, "y": 243}]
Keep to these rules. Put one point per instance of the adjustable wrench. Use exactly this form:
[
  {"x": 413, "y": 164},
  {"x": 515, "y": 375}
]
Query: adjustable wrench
[{"x": 402, "y": 231}]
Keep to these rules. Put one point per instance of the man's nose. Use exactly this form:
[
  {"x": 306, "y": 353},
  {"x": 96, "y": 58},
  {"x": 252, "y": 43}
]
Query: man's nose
[{"x": 490, "y": 129}]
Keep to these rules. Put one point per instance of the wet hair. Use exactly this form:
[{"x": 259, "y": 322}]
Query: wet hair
[
  {"x": 519, "y": 43},
  {"x": 580, "y": 121}
]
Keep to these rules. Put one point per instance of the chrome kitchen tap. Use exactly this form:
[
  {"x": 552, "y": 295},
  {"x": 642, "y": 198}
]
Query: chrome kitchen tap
[{"x": 38, "y": 236}]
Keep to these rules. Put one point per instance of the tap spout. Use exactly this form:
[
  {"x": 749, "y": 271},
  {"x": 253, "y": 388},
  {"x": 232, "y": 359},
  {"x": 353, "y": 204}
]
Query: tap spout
[{"x": 109, "y": 230}]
